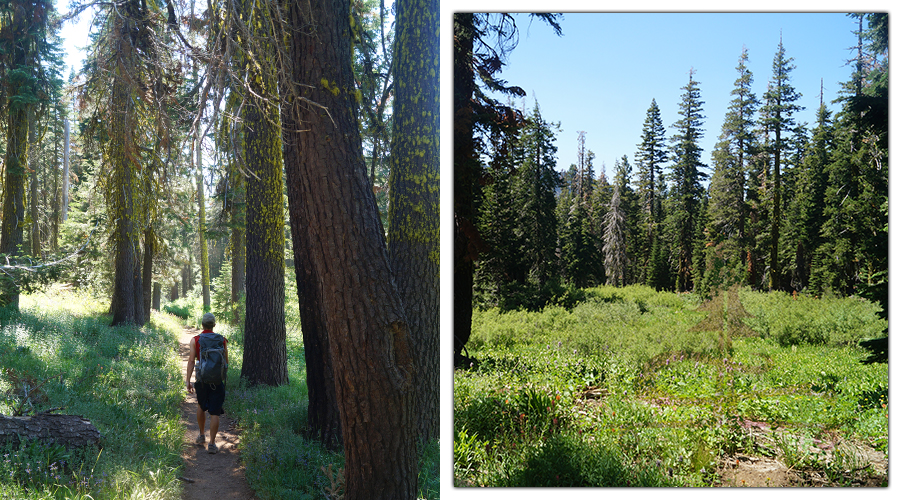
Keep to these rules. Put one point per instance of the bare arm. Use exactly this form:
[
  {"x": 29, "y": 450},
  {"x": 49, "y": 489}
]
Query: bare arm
[{"x": 190, "y": 368}]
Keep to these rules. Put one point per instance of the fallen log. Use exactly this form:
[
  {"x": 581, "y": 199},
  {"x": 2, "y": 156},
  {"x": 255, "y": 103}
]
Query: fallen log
[{"x": 71, "y": 431}]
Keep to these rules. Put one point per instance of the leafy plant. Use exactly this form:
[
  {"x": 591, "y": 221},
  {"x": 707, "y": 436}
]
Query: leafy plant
[{"x": 646, "y": 395}]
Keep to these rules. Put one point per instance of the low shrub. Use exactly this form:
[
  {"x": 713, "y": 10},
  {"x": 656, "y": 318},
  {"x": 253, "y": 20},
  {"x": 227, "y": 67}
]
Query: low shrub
[{"x": 801, "y": 319}]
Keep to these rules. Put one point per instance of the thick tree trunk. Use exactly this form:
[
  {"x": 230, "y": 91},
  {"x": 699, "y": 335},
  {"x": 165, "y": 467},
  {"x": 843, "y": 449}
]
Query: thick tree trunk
[
  {"x": 71, "y": 431},
  {"x": 324, "y": 417},
  {"x": 464, "y": 170},
  {"x": 14, "y": 189},
  {"x": 265, "y": 337},
  {"x": 413, "y": 234},
  {"x": 371, "y": 349},
  {"x": 122, "y": 200}
]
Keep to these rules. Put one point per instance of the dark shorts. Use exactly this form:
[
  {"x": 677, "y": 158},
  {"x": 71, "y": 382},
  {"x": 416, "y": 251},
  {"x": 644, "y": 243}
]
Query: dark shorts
[{"x": 210, "y": 397}]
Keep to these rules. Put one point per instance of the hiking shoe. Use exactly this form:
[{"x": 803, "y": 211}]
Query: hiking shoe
[
  {"x": 201, "y": 438},
  {"x": 212, "y": 449}
]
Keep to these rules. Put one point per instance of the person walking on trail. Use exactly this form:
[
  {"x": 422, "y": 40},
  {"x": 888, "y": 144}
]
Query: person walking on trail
[{"x": 209, "y": 362}]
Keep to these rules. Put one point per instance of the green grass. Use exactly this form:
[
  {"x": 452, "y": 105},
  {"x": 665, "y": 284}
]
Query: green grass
[
  {"x": 672, "y": 397},
  {"x": 279, "y": 461},
  {"x": 124, "y": 380},
  {"x": 128, "y": 383}
]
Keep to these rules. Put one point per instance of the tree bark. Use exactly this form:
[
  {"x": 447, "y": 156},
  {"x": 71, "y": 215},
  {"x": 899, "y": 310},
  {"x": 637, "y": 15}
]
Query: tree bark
[
  {"x": 71, "y": 431},
  {"x": 14, "y": 190},
  {"x": 324, "y": 417},
  {"x": 237, "y": 211},
  {"x": 121, "y": 194},
  {"x": 371, "y": 349},
  {"x": 464, "y": 171},
  {"x": 265, "y": 337},
  {"x": 413, "y": 234}
]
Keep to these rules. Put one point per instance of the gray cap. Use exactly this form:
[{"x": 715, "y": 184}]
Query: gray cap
[{"x": 208, "y": 319}]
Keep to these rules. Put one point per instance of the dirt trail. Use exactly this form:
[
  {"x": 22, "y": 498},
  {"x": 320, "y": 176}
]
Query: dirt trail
[{"x": 209, "y": 477}]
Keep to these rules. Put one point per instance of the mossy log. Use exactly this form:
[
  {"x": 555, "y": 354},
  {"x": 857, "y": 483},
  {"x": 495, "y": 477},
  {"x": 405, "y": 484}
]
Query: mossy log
[{"x": 71, "y": 431}]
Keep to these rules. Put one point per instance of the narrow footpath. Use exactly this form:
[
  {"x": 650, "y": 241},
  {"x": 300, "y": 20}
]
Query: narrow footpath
[{"x": 209, "y": 477}]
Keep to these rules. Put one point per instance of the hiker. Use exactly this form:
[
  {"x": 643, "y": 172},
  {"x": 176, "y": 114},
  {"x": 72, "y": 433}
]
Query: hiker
[{"x": 208, "y": 349}]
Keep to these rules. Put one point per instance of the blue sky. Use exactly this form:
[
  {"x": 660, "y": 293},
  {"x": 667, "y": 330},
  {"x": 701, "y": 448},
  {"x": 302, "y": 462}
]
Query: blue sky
[
  {"x": 602, "y": 74},
  {"x": 75, "y": 36}
]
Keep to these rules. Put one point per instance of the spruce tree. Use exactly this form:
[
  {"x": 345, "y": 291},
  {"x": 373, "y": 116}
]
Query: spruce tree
[
  {"x": 650, "y": 157},
  {"x": 499, "y": 268},
  {"x": 535, "y": 190},
  {"x": 807, "y": 205},
  {"x": 23, "y": 31},
  {"x": 686, "y": 181},
  {"x": 780, "y": 106},
  {"x": 629, "y": 206},
  {"x": 727, "y": 204}
]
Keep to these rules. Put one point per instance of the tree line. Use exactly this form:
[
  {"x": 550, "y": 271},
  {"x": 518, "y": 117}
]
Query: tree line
[
  {"x": 211, "y": 143},
  {"x": 788, "y": 206}
]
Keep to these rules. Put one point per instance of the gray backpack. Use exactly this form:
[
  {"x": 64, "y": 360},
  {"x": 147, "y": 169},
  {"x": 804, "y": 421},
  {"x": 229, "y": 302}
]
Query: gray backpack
[{"x": 211, "y": 367}]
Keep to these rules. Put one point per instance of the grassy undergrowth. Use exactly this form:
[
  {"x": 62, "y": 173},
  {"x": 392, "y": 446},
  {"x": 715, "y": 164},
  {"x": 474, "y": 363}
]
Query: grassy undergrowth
[
  {"x": 59, "y": 352},
  {"x": 638, "y": 388},
  {"x": 280, "y": 462}
]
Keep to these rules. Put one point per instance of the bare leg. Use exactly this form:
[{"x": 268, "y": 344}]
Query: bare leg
[
  {"x": 201, "y": 420},
  {"x": 213, "y": 428}
]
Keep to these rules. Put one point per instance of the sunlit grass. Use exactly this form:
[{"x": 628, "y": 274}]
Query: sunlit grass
[
  {"x": 666, "y": 400},
  {"x": 124, "y": 380},
  {"x": 128, "y": 383},
  {"x": 280, "y": 462}
]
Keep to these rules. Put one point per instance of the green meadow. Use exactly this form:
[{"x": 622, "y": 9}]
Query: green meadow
[{"x": 633, "y": 387}]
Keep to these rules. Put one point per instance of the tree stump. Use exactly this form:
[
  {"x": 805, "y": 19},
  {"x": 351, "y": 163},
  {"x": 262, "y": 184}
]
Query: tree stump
[{"x": 71, "y": 431}]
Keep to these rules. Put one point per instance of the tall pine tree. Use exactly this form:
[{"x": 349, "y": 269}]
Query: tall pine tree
[
  {"x": 535, "y": 189},
  {"x": 686, "y": 181},
  {"x": 651, "y": 155},
  {"x": 727, "y": 205},
  {"x": 780, "y": 106}
]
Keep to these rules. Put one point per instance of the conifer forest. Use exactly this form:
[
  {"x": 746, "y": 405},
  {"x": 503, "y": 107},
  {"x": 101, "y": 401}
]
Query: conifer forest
[
  {"x": 272, "y": 162},
  {"x": 673, "y": 321}
]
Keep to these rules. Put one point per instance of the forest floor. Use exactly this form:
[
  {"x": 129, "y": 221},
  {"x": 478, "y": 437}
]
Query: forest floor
[{"x": 210, "y": 477}]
